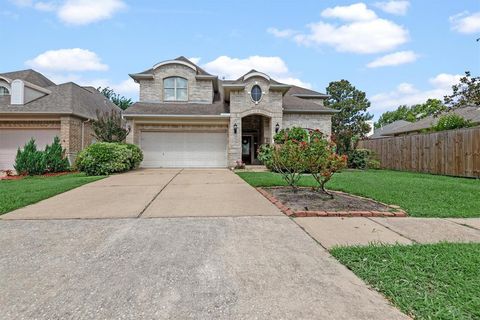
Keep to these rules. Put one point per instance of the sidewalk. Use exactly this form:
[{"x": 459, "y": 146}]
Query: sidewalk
[{"x": 334, "y": 231}]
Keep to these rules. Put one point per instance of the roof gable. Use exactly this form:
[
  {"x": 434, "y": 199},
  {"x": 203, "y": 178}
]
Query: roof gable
[{"x": 31, "y": 76}]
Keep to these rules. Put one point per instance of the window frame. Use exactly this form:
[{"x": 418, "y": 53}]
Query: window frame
[
  {"x": 175, "y": 89},
  {"x": 4, "y": 92},
  {"x": 261, "y": 93}
]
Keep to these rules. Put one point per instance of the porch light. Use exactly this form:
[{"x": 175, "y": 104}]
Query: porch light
[
  {"x": 277, "y": 127},
  {"x": 235, "y": 127}
]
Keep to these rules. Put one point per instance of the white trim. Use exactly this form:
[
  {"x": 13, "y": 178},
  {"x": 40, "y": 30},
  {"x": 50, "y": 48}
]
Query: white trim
[
  {"x": 256, "y": 74},
  {"x": 222, "y": 115},
  {"x": 175, "y": 62}
]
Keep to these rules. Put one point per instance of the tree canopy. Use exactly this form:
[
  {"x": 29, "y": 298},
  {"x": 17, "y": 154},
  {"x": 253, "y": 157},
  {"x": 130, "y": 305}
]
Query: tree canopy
[
  {"x": 412, "y": 113},
  {"x": 349, "y": 124},
  {"x": 121, "y": 101},
  {"x": 465, "y": 93}
]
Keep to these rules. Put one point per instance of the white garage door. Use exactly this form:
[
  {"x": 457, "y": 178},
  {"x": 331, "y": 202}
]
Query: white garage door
[
  {"x": 184, "y": 149},
  {"x": 12, "y": 139}
]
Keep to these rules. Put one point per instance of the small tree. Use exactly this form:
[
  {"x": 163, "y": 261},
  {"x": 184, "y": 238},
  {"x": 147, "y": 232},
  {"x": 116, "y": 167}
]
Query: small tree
[
  {"x": 121, "y": 101},
  {"x": 288, "y": 160},
  {"x": 55, "y": 160},
  {"x": 30, "y": 160},
  {"x": 109, "y": 127},
  {"x": 321, "y": 161}
]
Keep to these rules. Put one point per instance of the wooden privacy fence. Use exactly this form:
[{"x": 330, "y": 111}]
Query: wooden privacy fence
[{"x": 453, "y": 152}]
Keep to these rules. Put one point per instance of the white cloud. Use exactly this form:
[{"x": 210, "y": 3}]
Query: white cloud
[
  {"x": 285, "y": 33},
  {"x": 81, "y": 12},
  {"x": 465, "y": 22},
  {"x": 233, "y": 68},
  {"x": 195, "y": 60},
  {"x": 354, "y": 12},
  {"x": 397, "y": 7},
  {"x": 394, "y": 59},
  {"x": 361, "y": 31},
  {"x": 126, "y": 87},
  {"x": 68, "y": 60},
  {"x": 408, "y": 94},
  {"x": 76, "y": 12}
]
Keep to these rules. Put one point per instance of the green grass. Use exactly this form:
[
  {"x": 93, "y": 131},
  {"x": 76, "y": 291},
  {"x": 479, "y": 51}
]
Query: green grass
[
  {"x": 20, "y": 193},
  {"x": 438, "y": 281},
  {"x": 421, "y": 195}
]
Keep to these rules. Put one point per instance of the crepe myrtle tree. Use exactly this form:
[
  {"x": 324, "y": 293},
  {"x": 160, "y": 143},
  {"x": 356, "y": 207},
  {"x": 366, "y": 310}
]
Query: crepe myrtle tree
[
  {"x": 121, "y": 101},
  {"x": 110, "y": 127},
  {"x": 314, "y": 155}
]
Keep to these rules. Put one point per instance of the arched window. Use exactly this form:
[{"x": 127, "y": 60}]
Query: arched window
[
  {"x": 175, "y": 89},
  {"x": 256, "y": 93},
  {"x": 4, "y": 91}
]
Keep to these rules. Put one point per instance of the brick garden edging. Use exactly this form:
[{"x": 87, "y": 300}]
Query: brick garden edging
[{"x": 289, "y": 212}]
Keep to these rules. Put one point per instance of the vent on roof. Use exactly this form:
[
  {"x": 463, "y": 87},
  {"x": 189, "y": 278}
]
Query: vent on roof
[{"x": 18, "y": 92}]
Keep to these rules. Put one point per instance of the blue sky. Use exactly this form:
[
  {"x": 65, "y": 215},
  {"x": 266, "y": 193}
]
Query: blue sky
[{"x": 398, "y": 51}]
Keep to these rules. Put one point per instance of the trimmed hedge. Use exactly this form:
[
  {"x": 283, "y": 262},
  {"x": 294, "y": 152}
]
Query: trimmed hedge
[{"x": 103, "y": 158}]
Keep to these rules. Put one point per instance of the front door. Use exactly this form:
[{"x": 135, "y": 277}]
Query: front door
[{"x": 247, "y": 148}]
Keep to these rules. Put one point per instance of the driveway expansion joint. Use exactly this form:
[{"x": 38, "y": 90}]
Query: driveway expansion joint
[
  {"x": 395, "y": 231},
  {"x": 158, "y": 193}
]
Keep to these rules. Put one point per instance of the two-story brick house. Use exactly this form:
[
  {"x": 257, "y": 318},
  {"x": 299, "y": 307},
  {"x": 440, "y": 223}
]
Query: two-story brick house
[{"x": 187, "y": 117}]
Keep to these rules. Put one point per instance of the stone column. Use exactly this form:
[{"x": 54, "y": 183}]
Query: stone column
[{"x": 234, "y": 140}]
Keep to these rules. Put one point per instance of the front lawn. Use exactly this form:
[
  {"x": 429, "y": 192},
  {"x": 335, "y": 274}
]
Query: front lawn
[
  {"x": 20, "y": 193},
  {"x": 421, "y": 195},
  {"x": 436, "y": 281}
]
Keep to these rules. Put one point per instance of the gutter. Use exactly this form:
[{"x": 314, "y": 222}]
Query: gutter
[{"x": 222, "y": 115}]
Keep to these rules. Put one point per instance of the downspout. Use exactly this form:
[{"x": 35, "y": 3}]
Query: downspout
[{"x": 83, "y": 132}]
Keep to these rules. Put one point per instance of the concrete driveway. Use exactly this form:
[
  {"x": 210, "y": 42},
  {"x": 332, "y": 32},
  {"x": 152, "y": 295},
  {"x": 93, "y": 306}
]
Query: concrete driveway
[
  {"x": 176, "y": 244},
  {"x": 176, "y": 268},
  {"x": 154, "y": 193}
]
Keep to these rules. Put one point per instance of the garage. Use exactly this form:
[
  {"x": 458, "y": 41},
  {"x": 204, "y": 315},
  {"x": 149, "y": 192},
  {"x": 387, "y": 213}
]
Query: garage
[
  {"x": 12, "y": 139},
  {"x": 183, "y": 149}
]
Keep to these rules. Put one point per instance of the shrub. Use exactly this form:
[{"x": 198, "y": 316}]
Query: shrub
[
  {"x": 30, "y": 160},
  {"x": 104, "y": 158},
  {"x": 451, "y": 121},
  {"x": 362, "y": 159},
  {"x": 265, "y": 155},
  {"x": 55, "y": 160},
  {"x": 137, "y": 155},
  {"x": 291, "y": 134}
]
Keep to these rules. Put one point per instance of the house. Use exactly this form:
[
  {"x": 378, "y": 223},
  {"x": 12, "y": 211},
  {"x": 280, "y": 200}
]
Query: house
[
  {"x": 32, "y": 106},
  {"x": 385, "y": 130},
  {"x": 187, "y": 117},
  {"x": 471, "y": 113}
]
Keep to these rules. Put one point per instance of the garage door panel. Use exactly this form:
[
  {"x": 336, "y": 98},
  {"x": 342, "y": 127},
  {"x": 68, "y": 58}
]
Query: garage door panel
[
  {"x": 12, "y": 139},
  {"x": 184, "y": 149}
]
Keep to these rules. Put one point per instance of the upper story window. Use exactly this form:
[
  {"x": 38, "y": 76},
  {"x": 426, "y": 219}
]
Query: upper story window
[
  {"x": 175, "y": 89},
  {"x": 4, "y": 91},
  {"x": 256, "y": 93}
]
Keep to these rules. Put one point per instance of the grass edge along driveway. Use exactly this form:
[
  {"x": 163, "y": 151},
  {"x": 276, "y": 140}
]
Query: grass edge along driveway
[
  {"x": 426, "y": 281},
  {"x": 20, "y": 193},
  {"x": 421, "y": 195}
]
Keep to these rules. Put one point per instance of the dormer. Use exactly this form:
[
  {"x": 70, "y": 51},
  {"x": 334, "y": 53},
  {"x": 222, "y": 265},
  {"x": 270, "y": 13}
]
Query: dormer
[
  {"x": 176, "y": 81},
  {"x": 20, "y": 91}
]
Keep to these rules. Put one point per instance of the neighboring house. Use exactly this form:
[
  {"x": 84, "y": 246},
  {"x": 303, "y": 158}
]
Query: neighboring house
[
  {"x": 32, "y": 106},
  {"x": 187, "y": 117},
  {"x": 471, "y": 113},
  {"x": 386, "y": 130}
]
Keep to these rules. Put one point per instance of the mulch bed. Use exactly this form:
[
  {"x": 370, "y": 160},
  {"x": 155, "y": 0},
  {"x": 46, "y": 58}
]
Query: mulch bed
[
  {"x": 307, "y": 202},
  {"x": 19, "y": 177}
]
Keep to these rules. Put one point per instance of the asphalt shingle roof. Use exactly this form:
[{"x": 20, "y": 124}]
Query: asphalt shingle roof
[
  {"x": 31, "y": 76},
  {"x": 389, "y": 128}
]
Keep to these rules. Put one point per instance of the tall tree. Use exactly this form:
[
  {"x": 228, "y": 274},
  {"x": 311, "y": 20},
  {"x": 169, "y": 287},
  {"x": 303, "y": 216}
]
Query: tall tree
[
  {"x": 349, "y": 124},
  {"x": 413, "y": 113},
  {"x": 465, "y": 93},
  {"x": 121, "y": 101}
]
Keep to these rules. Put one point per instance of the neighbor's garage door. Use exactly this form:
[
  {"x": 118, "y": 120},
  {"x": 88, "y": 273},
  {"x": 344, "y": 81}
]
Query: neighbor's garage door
[
  {"x": 184, "y": 149},
  {"x": 12, "y": 139}
]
